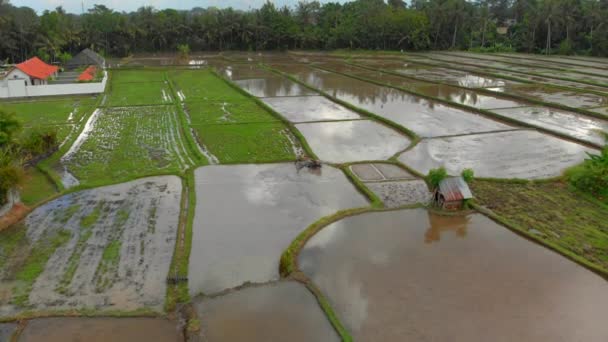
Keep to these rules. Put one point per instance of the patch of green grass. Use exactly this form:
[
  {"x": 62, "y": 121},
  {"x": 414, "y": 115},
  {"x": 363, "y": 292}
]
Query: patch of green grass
[
  {"x": 11, "y": 240},
  {"x": 36, "y": 187},
  {"x": 204, "y": 85},
  {"x": 66, "y": 215},
  {"x": 132, "y": 142},
  {"x": 108, "y": 266},
  {"x": 248, "y": 143},
  {"x": 137, "y": 76},
  {"x": 49, "y": 112},
  {"x": 138, "y": 94},
  {"x": 35, "y": 263},
  {"x": 221, "y": 112},
  {"x": 554, "y": 213}
]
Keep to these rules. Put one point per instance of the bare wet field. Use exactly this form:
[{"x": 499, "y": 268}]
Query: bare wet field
[
  {"x": 100, "y": 330},
  {"x": 380, "y": 171},
  {"x": 497, "y": 155},
  {"x": 572, "y": 124},
  {"x": 107, "y": 248},
  {"x": 351, "y": 141},
  {"x": 310, "y": 108},
  {"x": 7, "y": 330},
  {"x": 395, "y": 194},
  {"x": 413, "y": 275},
  {"x": 283, "y": 311},
  {"x": 424, "y": 117},
  {"x": 274, "y": 202}
]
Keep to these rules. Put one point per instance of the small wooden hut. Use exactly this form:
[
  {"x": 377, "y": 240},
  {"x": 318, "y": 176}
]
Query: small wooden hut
[{"x": 452, "y": 193}]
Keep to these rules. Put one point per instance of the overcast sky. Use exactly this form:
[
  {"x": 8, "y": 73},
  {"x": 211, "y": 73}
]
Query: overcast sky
[{"x": 75, "y": 6}]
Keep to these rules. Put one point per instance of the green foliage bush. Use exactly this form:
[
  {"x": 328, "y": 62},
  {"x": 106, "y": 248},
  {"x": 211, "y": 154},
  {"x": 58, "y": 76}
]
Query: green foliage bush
[
  {"x": 468, "y": 175},
  {"x": 38, "y": 141},
  {"x": 565, "y": 47},
  {"x": 496, "y": 48},
  {"x": 592, "y": 175},
  {"x": 9, "y": 125},
  {"x": 435, "y": 176}
]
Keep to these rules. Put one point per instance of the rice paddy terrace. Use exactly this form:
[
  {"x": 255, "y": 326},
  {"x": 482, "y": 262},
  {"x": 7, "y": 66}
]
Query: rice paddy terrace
[{"x": 178, "y": 206}]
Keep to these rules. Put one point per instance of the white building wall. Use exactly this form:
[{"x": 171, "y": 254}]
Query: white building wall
[{"x": 19, "y": 89}]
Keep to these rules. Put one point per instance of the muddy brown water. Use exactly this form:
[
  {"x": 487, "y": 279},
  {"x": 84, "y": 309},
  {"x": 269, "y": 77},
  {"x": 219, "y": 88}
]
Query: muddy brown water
[
  {"x": 100, "y": 330},
  {"x": 351, "y": 141},
  {"x": 524, "y": 154},
  {"x": 572, "y": 124},
  {"x": 309, "y": 108},
  {"x": 139, "y": 218},
  {"x": 410, "y": 275},
  {"x": 247, "y": 215},
  {"x": 283, "y": 311},
  {"x": 273, "y": 86},
  {"x": 424, "y": 117}
]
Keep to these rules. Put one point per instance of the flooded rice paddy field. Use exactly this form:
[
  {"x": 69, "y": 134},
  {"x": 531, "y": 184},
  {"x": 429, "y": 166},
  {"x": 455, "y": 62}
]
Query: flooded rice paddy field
[
  {"x": 414, "y": 275},
  {"x": 579, "y": 126},
  {"x": 104, "y": 248},
  {"x": 7, "y": 330},
  {"x": 426, "y": 118},
  {"x": 300, "y": 109},
  {"x": 274, "y": 202},
  {"x": 280, "y": 311},
  {"x": 497, "y": 155},
  {"x": 100, "y": 330},
  {"x": 109, "y": 249},
  {"x": 351, "y": 141}
]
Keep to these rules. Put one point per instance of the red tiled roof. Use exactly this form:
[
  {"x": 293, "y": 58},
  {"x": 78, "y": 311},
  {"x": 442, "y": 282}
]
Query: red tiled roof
[
  {"x": 36, "y": 68},
  {"x": 88, "y": 74}
]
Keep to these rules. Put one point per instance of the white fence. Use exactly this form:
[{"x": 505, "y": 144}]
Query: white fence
[{"x": 17, "y": 88}]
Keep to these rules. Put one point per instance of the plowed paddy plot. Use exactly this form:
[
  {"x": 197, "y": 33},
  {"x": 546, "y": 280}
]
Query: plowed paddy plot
[
  {"x": 247, "y": 215},
  {"x": 141, "y": 93},
  {"x": 105, "y": 248},
  {"x": 220, "y": 112},
  {"x": 516, "y": 154},
  {"x": 249, "y": 143},
  {"x": 411, "y": 275},
  {"x": 129, "y": 142},
  {"x": 136, "y": 76},
  {"x": 204, "y": 85}
]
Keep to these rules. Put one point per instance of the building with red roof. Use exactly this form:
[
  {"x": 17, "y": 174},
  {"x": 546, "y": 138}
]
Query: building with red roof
[{"x": 33, "y": 71}]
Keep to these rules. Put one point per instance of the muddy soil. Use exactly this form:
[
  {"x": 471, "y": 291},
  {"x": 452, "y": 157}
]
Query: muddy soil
[
  {"x": 351, "y": 141},
  {"x": 100, "y": 330},
  {"x": 273, "y": 86},
  {"x": 572, "y": 124},
  {"x": 247, "y": 215},
  {"x": 380, "y": 172},
  {"x": 309, "y": 108},
  {"x": 516, "y": 154},
  {"x": 283, "y": 311},
  {"x": 118, "y": 253},
  {"x": 6, "y": 331},
  {"x": 410, "y": 275},
  {"x": 424, "y": 117},
  {"x": 399, "y": 193}
]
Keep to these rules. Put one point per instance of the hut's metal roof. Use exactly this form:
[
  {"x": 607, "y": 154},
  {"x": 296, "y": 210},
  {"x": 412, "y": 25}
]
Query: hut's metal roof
[
  {"x": 86, "y": 57},
  {"x": 455, "y": 189}
]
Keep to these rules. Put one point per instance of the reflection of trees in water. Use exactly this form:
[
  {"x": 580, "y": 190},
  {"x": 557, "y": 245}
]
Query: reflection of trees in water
[{"x": 440, "y": 224}]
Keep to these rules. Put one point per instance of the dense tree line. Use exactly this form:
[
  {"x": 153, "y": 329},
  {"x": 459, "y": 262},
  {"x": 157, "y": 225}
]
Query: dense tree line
[{"x": 564, "y": 26}]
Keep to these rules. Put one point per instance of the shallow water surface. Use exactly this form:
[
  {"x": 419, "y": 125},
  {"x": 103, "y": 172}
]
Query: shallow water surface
[
  {"x": 515, "y": 154},
  {"x": 572, "y": 124},
  {"x": 273, "y": 86},
  {"x": 563, "y": 97},
  {"x": 426, "y": 118},
  {"x": 247, "y": 215},
  {"x": 410, "y": 275},
  {"x": 283, "y": 311},
  {"x": 350, "y": 141},
  {"x": 100, "y": 330},
  {"x": 309, "y": 108}
]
